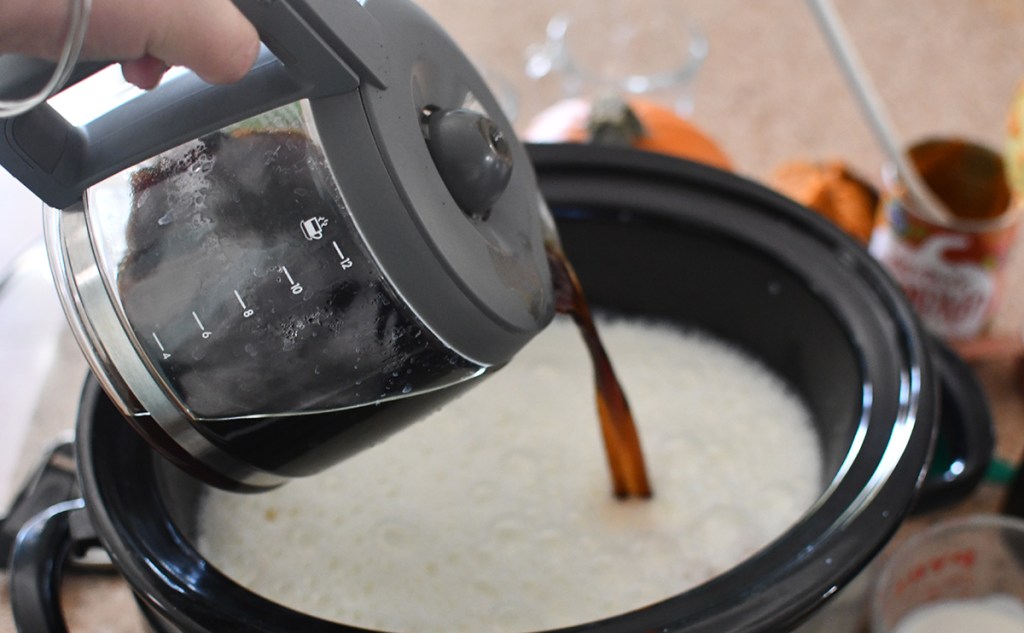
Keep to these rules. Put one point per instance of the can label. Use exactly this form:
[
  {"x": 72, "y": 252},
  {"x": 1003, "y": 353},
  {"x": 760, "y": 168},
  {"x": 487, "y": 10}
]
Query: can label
[{"x": 952, "y": 277}]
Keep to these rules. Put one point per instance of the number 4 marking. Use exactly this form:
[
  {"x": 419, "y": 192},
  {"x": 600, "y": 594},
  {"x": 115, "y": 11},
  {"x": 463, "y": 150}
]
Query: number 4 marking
[{"x": 164, "y": 352}]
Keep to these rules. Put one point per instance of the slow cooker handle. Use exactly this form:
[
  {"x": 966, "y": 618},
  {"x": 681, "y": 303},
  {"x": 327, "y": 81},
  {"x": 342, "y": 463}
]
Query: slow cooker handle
[
  {"x": 54, "y": 480},
  {"x": 966, "y": 438},
  {"x": 37, "y": 566}
]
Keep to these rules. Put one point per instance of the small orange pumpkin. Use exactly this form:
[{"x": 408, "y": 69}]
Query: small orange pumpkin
[
  {"x": 634, "y": 123},
  {"x": 833, "y": 190}
]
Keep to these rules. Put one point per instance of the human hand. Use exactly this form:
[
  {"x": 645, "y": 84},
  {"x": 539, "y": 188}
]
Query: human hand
[{"x": 211, "y": 37}]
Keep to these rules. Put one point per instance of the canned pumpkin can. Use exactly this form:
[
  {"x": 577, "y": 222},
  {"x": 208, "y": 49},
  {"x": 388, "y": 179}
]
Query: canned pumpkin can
[{"x": 952, "y": 268}]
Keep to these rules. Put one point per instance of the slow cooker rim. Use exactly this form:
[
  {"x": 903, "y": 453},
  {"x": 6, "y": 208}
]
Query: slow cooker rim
[
  {"x": 851, "y": 306},
  {"x": 609, "y": 172},
  {"x": 148, "y": 576},
  {"x": 143, "y": 568},
  {"x": 621, "y": 166}
]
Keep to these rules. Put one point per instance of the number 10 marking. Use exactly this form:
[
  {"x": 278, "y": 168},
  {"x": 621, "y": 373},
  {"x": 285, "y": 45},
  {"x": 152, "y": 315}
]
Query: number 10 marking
[{"x": 296, "y": 287}]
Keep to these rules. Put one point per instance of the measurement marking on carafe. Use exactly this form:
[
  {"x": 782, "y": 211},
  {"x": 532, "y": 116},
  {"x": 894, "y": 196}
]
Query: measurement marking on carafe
[
  {"x": 346, "y": 262},
  {"x": 202, "y": 328},
  {"x": 246, "y": 310},
  {"x": 296, "y": 287},
  {"x": 161, "y": 346}
]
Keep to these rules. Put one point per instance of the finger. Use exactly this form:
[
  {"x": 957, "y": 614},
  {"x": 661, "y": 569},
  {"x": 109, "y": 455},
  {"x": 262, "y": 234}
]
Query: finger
[
  {"x": 145, "y": 73},
  {"x": 34, "y": 27},
  {"x": 211, "y": 37}
]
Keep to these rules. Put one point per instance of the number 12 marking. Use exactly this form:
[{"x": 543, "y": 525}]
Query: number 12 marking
[{"x": 346, "y": 262}]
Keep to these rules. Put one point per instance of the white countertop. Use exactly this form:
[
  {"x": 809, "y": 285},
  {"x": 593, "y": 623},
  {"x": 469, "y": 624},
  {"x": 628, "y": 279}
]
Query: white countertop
[
  {"x": 23, "y": 359},
  {"x": 32, "y": 325}
]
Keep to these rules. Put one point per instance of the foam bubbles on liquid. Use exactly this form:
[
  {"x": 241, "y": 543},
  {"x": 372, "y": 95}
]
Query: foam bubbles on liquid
[{"x": 496, "y": 514}]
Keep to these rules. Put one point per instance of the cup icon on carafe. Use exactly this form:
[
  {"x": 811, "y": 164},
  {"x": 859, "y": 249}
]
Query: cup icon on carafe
[{"x": 313, "y": 228}]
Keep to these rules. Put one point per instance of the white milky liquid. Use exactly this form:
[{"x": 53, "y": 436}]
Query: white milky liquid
[
  {"x": 991, "y": 614},
  {"x": 497, "y": 515}
]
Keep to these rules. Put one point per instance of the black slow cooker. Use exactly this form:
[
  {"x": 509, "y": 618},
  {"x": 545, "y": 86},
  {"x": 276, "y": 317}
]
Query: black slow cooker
[{"x": 654, "y": 237}]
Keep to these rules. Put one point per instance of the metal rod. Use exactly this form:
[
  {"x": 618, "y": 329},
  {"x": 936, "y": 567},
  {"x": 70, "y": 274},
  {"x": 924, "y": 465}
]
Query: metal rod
[{"x": 874, "y": 110}]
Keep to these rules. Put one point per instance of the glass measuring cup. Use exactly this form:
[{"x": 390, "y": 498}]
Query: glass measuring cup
[{"x": 964, "y": 572}]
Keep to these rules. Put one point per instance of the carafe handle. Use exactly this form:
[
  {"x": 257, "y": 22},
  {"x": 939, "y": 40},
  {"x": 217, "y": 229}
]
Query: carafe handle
[{"x": 317, "y": 48}]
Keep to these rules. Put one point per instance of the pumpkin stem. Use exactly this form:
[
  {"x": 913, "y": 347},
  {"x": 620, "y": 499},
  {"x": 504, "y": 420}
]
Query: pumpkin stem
[{"x": 613, "y": 122}]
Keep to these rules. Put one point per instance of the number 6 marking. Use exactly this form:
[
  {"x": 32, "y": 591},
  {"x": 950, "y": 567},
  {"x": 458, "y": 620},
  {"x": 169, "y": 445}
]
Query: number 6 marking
[{"x": 206, "y": 334}]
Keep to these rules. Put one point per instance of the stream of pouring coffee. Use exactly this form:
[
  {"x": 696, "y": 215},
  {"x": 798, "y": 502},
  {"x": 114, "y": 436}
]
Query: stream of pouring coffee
[{"x": 621, "y": 442}]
